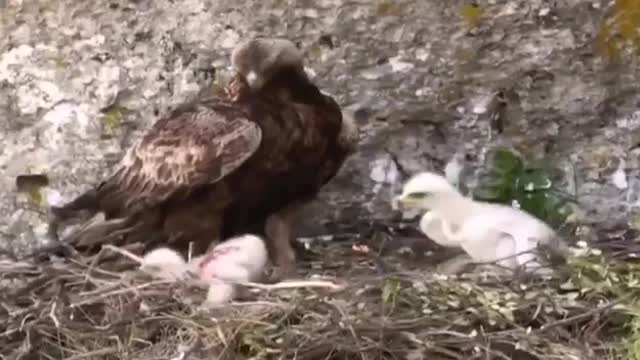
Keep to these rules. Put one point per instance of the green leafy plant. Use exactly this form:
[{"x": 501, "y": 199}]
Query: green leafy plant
[
  {"x": 632, "y": 342},
  {"x": 598, "y": 276},
  {"x": 390, "y": 293},
  {"x": 506, "y": 178}
]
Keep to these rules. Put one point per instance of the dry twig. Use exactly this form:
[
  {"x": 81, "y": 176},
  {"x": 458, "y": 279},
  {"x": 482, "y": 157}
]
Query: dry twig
[{"x": 83, "y": 308}]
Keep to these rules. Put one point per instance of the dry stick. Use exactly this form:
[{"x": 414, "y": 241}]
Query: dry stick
[
  {"x": 104, "y": 351},
  {"x": 117, "y": 292},
  {"x": 494, "y": 262},
  {"x": 190, "y": 252},
  {"x": 258, "y": 303},
  {"x": 93, "y": 263},
  {"x": 125, "y": 253},
  {"x": 267, "y": 287},
  {"x": 52, "y": 315},
  {"x": 587, "y": 314},
  {"x": 293, "y": 285}
]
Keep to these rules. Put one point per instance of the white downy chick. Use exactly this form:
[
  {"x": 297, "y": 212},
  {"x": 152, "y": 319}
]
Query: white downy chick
[
  {"x": 164, "y": 263},
  {"x": 487, "y": 232},
  {"x": 432, "y": 221},
  {"x": 239, "y": 259},
  {"x": 431, "y": 225},
  {"x": 507, "y": 230}
]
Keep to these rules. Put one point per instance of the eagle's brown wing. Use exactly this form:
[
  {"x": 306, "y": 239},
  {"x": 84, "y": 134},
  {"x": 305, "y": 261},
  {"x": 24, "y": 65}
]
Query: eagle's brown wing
[{"x": 194, "y": 146}]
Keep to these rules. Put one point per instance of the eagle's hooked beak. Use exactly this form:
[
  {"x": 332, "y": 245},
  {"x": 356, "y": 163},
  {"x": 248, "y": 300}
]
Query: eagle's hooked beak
[{"x": 254, "y": 81}]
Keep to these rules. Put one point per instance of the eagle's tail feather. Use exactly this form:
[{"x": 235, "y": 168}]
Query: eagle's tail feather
[
  {"x": 57, "y": 214},
  {"x": 94, "y": 233},
  {"x": 98, "y": 232},
  {"x": 85, "y": 201},
  {"x": 118, "y": 232},
  {"x": 111, "y": 198},
  {"x": 138, "y": 229}
]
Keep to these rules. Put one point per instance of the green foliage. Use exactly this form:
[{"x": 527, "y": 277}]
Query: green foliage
[
  {"x": 506, "y": 178},
  {"x": 390, "y": 293},
  {"x": 599, "y": 277},
  {"x": 632, "y": 344},
  {"x": 598, "y": 274}
]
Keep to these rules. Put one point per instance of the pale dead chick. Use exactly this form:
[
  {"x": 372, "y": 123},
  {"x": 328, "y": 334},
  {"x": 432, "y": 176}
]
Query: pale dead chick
[
  {"x": 164, "y": 263},
  {"x": 241, "y": 259}
]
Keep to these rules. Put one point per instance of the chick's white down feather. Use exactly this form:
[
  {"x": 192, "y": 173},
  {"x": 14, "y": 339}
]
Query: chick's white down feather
[
  {"x": 239, "y": 259},
  {"x": 431, "y": 225},
  {"x": 164, "y": 263},
  {"x": 486, "y": 232}
]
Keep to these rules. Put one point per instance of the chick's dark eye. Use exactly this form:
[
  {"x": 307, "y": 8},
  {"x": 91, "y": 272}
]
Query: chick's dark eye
[{"x": 419, "y": 195}]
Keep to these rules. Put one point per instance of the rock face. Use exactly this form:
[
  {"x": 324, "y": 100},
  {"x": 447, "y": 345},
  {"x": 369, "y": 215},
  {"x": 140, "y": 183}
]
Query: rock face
[{"x": 79, "y": 80}]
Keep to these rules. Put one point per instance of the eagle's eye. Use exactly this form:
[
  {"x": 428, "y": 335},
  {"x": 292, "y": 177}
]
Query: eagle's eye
[{"x": 419, "y": 195}]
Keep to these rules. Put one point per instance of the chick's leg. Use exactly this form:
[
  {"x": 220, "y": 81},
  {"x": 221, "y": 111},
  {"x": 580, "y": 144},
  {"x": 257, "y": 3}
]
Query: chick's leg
[{"x": 278, "y": 229}]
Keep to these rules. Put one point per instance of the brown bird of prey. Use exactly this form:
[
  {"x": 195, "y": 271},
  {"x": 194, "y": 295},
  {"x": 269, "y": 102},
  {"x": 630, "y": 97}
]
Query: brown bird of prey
[{"x": 225, "y": 165}]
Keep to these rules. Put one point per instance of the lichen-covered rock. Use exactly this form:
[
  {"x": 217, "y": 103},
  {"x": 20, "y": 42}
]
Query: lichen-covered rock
[{"x": 80, "y": 80}]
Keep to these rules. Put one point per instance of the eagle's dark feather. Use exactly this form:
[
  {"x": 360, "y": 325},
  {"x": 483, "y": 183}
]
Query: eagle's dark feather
[
  {"x": 194, "y": 146},
  {"x": 221, "y": 166}
]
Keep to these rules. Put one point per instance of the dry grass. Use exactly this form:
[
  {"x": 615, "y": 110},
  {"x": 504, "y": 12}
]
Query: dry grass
[{"x": 102, "y": 308}]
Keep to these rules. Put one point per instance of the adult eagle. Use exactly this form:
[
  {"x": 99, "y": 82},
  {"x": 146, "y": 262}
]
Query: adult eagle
[{"x": 225, "y": 165}]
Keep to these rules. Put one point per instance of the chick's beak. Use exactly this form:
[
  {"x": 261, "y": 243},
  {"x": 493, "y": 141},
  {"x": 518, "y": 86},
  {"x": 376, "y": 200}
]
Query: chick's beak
[{"x": 402, "y": 202}]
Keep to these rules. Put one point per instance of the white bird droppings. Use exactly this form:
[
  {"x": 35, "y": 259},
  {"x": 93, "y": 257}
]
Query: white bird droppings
[
  {"x": 54, "y": 198},
  {"x": 383, "y": 170},
  {"x": 398, "y": 65},
  {"x": 229, "y": 39},
  {"x": 480, "y": 104},
  {"x": 63, "y": 120},
  {"x": 619, "y": 177},
  {"x": 11, "y": 59},
  {"x": 453, "y": 168},
  {"x": 36, "y": 95}
]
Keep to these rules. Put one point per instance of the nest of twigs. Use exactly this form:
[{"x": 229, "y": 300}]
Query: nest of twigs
[{"x": 104, "y": 308}]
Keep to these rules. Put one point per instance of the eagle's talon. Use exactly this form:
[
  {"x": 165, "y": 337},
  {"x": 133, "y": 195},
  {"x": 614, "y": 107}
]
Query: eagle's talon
[
  {"x": 66, "y": 250},
  {"x": 52, "y": 233},
  {"x": 274, "y": 278},
  {"x": 299, "y": 249},
  {"x": 54, "y": 220},
  {"x": 58, "y": 248},
  {"x": 283, "y": 269}
]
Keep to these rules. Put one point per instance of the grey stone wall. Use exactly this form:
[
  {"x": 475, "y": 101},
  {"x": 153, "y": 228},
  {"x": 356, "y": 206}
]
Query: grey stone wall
[{"x": 80, "y": 79}]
